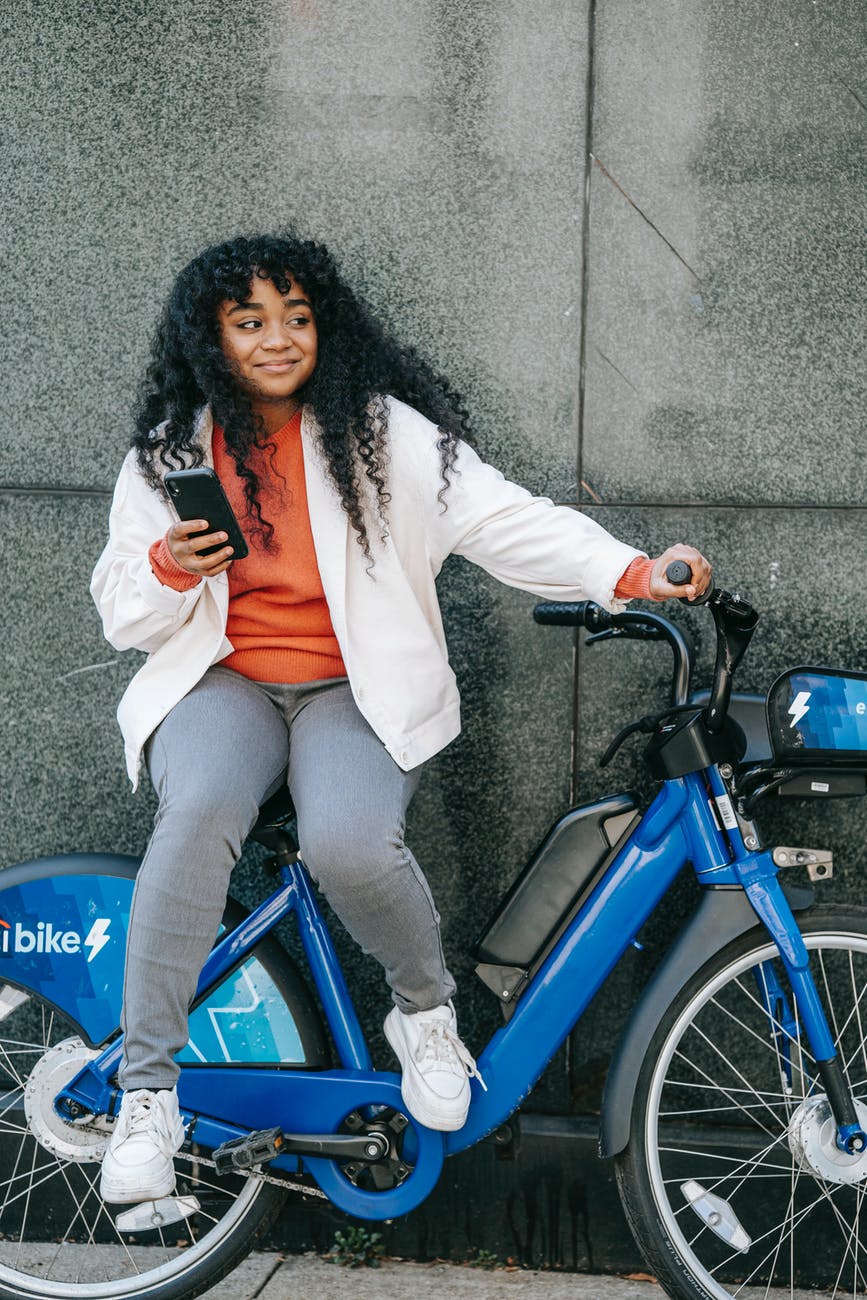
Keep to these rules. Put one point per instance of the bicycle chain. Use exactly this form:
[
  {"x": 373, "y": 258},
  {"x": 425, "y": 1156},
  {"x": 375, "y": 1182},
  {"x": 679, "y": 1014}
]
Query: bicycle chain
[
  {"x": 255, "y": 1173},
  {"x": 240, "y": 1173}
]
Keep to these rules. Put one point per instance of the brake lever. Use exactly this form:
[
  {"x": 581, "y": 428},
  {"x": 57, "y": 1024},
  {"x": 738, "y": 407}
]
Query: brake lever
[
  {"x": 607, "y": 635},
  {"x": 632, "y": 633}
]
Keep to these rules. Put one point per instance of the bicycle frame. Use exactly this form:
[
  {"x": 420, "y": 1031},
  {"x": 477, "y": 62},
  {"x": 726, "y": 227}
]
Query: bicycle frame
[{"x": 679, "y": 826}]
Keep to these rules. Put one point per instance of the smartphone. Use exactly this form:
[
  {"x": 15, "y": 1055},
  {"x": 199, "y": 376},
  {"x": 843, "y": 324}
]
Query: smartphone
[{"x": 198, "y": 494}]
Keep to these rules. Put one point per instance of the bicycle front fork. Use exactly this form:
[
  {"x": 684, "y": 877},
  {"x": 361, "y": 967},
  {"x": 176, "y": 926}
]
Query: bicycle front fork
[{"x": 759, "y": 879}]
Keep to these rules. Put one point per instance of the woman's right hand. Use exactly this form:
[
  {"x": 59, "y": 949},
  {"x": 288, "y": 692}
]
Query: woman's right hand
[{"x": 186, "y": 549}]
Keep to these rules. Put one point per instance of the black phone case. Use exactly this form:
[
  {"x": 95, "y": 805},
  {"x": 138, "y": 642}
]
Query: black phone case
[{"x": 198, "y": 494}]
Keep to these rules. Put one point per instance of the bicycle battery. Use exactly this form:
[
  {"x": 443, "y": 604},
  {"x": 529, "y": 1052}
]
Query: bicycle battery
[{"x": 548, "y": 893}]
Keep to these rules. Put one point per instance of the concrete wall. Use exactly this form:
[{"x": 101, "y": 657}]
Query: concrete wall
[{"x": 629, "y": 232}]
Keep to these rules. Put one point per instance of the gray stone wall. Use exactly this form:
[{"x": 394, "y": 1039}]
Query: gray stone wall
[{"x": 631, "y": 233}]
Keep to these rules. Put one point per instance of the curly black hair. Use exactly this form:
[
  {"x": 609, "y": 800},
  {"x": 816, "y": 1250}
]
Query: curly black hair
[{"x": 359, "y": 364}]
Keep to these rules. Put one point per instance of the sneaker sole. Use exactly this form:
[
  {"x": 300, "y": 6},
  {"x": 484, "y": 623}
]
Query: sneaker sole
[
  {"x": 125, "y": 1194},
  {"x": 415, "y": 1104}
]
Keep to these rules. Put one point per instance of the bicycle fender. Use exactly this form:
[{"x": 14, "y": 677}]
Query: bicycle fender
[
  {"x": 63, "y": 923},
  {"x": 721, "y": 916},
  {"x": 63, "y": 928}
]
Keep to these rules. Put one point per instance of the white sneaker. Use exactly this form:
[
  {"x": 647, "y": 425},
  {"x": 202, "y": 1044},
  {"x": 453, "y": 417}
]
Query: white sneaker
[
  {"x": 436, "y": 1066},
  {"x": 139, "y": 1162}
]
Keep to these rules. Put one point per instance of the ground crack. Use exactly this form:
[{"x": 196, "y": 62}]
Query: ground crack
[{"x": 605, "y": 172}]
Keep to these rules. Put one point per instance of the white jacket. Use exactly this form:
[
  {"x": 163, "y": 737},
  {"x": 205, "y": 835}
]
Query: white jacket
[{"x": 386, "y": 619}]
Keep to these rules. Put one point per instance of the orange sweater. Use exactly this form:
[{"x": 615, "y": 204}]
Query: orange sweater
[{"x": 278, "y": 619}]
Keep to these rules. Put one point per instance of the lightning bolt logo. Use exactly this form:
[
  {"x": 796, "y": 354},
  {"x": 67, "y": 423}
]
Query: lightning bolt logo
[
  {"x": 799, "y": 706},
  {"x": 98, "y": 937}
]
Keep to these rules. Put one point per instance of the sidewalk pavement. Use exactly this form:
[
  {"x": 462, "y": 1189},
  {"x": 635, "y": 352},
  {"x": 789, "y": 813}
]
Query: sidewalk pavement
[{"x": 309, "y": 1277}]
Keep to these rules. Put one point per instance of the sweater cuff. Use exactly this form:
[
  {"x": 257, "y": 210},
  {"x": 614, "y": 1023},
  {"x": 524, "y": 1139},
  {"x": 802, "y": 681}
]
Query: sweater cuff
[
  {"x": 634, "y": 582},
  {"x": 166, "y": 568}
]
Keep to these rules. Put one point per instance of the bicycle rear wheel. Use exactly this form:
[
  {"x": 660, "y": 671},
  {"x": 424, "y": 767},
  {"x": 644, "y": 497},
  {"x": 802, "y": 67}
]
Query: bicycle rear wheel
[
  {"x": 731, "y": 1180},
  {"x": 58, "y": 1240}
]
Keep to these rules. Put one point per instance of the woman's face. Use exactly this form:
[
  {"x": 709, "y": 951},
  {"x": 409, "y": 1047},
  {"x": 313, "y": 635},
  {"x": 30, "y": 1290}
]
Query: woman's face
[{"x": 271, "y": 343}]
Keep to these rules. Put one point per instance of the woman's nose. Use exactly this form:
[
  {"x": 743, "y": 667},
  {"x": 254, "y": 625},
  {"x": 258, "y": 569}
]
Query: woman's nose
[{"x": 274, "y": 336}]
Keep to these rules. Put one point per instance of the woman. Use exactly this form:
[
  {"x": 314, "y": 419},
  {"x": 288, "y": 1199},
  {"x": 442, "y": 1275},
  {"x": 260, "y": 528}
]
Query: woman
[{"x": 319, "y": 658}]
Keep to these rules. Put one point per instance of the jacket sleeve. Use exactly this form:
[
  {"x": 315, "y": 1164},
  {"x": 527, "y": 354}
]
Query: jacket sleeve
[
  {"x": 523, "y": 540},
  {"x": 137, "y": 611}
]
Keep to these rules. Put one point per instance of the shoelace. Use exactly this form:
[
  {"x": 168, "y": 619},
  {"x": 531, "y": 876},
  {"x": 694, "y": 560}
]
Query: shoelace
[
  {"x": 145, "y": 1115},
  {"x": 439, "y": 1042}
]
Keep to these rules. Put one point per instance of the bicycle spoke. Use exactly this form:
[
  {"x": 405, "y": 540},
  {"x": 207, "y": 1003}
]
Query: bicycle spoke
[
  {"x": 200, "y": 1181},
  {"x": 730, "y": 1065},
  {"x": 10, "y": 1067},
  {"x": 738, "y": 1161},
  {"x": 80, "y": 1204},
  {"x": 12, "y": 1178},
  {"x": 708, "y": 1110},
  {"x": 49, "y": 1170},
  {"x": 844, "y": 1229},
  {"x": 857, "y": 1002},
  {"x": 856, "y": 1012},
  {"x": 790, "y": 1211},
  {"x": 26, "y": 1206},
  {"x": 66, "y": 1237},
  {"x": 720, "y": 1088},
  {"x": 730, "y": 1088},
  {"x": 775, "y": 1024},
  {"x": 852, "y": 1233},
  {"x": 771, "y": 1232}
]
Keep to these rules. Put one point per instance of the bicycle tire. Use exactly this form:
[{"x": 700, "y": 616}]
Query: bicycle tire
[
  {"x": 51, "y": 1216},
  {"x": 769, "y": 1156}
]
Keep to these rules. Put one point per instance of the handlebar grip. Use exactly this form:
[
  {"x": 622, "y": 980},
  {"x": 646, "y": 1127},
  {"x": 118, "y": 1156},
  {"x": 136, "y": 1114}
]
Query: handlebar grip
[
  {"x": 678, "y": 573},
  {"x": 571, "y": 613}
]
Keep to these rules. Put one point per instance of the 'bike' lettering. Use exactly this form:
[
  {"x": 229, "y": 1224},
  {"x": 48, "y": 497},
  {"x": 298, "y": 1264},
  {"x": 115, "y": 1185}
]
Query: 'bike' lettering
[{"x": 47, "y": 938}]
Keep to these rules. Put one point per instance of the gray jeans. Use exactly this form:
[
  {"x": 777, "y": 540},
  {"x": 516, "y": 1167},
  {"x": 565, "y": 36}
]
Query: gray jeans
[{"x": 218, "y": 755}]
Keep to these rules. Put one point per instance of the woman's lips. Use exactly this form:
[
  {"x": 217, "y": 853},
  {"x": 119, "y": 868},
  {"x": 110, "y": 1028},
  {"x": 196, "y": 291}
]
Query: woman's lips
[{"x": 276, "y": 367}]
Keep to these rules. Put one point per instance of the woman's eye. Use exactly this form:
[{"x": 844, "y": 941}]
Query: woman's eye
[
  {"x": 249, "y": 324},
  {"x": 300, "y": 321}
]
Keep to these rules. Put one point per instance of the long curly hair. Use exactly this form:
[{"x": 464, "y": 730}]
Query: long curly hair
[{"x": 359, "y": 364}]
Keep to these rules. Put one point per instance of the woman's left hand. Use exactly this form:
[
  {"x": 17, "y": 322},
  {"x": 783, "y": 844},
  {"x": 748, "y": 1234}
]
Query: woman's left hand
[{"x": 662, "y": 589}]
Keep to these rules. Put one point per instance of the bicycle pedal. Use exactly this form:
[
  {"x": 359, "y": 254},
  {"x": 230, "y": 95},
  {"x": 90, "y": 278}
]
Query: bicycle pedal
[
  {"x": 245, "y": 1152},
  {"x": 150, "y": 1215}
]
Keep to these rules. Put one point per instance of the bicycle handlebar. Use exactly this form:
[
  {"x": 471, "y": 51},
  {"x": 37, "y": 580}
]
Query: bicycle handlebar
[
  {"x": 735, "y": 621},
  {"x": 644, "y": 626}
]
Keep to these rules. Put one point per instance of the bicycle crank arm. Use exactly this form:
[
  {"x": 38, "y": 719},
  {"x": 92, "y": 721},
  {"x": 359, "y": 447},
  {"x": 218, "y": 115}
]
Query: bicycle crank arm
[{"x": 266, "y": 1144}]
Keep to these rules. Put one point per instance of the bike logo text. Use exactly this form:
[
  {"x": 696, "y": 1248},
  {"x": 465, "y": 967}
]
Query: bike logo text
[{"x": 48, "y": 938}]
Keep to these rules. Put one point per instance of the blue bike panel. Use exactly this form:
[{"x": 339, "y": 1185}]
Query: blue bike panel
[
  {"x": 243, "y": 1019},
  {"x": 819, "y": 713},
  {"x": 63, "y": 936}
]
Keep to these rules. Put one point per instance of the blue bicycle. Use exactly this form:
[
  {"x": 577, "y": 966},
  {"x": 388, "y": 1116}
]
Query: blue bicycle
[{"x": 752, "y": 1030}]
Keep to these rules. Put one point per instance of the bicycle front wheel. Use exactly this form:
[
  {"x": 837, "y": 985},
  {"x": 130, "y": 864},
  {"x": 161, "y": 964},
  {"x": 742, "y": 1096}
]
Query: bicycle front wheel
[{"x": 732, "y": 1181}]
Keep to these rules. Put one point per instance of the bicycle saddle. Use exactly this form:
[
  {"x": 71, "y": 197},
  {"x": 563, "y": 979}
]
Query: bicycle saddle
[{"x": 276, "y": 821}]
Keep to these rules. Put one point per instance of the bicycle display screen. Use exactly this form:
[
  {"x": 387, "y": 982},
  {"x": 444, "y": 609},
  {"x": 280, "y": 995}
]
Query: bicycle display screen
[{"x": 819, "y": 713}]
